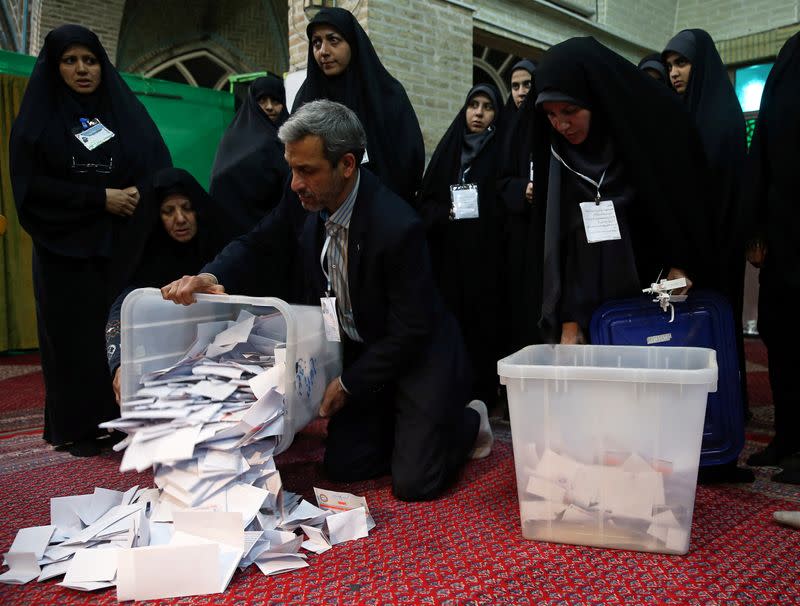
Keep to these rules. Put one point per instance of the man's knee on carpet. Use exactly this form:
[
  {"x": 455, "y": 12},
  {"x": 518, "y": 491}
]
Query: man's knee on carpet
[{"x": 418, "y": 485}]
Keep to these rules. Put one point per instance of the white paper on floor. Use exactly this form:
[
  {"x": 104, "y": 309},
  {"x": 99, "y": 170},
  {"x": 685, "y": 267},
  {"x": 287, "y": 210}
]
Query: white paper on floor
[{"x": 208, "y": 426}]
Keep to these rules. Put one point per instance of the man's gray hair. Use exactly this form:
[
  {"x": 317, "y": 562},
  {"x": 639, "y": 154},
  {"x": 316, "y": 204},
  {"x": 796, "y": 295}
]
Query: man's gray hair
[{"x": 337, "y": 125}]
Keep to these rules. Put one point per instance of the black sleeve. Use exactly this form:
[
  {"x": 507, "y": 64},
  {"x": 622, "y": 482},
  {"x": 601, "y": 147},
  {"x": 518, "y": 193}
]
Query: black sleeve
[
  {"x": 65, "y": 194},
  {"x": 512, "y": 194},
  {"x": 410, "y": 317},
  {"x": 259, "y": 262},
  {"x": 434, "y": 209},
  {"x": 113, "y": 333}
]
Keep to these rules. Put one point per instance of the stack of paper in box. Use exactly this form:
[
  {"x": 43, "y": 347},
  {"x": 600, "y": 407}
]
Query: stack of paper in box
[
  {"x": 209, "y": 426},
  {"x": 621, "y": 501},
  {"x": 226, "y": 393}
]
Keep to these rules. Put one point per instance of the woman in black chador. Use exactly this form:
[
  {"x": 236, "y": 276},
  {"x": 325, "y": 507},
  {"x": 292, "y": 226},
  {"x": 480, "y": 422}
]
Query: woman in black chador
[
  {"x": 523, "y": 223},
  {"x": 597, "y": 148},
  {"x": 344, "y": 67},
  {"x": 653, "y": 67},
  {"x": 79, "y": 147},
  {"x": 249, "y": 169},
  {"x": 697, "y": 74},
  {"x": 774, "y": 221},
  {"x": 464, "y": 249},
  {"x": 177, "y": 229}
]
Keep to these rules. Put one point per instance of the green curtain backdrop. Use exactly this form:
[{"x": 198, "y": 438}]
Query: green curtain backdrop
[
  {"x": 191, "y": 120},
  {"x": 17, "y": 308}
]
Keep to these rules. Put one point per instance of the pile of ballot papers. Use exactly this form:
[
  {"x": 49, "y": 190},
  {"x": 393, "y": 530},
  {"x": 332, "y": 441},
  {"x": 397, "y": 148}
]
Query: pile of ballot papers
[
  {"x": 111, "y": 538},
  {"x": 625, "y": 493},
  {"x": 208, "y": 426},
  {"x": 225, "y": 393}
]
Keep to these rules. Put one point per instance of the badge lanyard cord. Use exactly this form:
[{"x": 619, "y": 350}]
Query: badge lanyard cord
[
  {"x": 322, "y": 259},
  {"x": 597, "y": 184}
]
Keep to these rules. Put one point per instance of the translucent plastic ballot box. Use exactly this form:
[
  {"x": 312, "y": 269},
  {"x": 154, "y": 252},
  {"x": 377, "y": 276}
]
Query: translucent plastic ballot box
[
  {"x": 607, "y": 442},
  {"x": 156, "y": 334}
]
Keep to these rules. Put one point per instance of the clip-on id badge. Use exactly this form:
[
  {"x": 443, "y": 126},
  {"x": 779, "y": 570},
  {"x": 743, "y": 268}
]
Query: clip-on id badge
[
  {"x": 330, "y": 319},
  {"x": 95, "y": 135},
  {"x": 465, "y": 201},
  {"x": 600, "y": 221}
]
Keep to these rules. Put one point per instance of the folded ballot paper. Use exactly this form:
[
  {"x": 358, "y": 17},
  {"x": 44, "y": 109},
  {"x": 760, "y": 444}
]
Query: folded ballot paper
[
  {"x": 208, "y": 426},
  {"x": 624, "y": 492}
]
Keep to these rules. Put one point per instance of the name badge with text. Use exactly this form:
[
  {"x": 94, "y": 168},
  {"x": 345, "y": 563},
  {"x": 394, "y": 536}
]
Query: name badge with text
[
  {"x": 600, "y": 221},
  {"x": 330, "y": 319},
  {"x": 465, "y": 201},
  {"x": 95, "y": 135}
]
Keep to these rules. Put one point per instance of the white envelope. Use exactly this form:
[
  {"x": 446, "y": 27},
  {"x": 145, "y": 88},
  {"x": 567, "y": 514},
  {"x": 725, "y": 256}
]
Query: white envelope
[
  {"x": 168, "y": 571},
  {"x": 276, "y": 563},
  {"x": 54, "y": 570},
  {"x": 23, "y": 567},
  {"x": 219, "y": 526},
  {"x": 32, "y": 540},
  {"x": 317, "y": 541},
  {"x": 347, "y": 525},
  {"x": 92, "y": 566}
]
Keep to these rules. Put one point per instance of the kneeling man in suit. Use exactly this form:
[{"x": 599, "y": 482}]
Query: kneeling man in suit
[{"x": 399, "y": 406}]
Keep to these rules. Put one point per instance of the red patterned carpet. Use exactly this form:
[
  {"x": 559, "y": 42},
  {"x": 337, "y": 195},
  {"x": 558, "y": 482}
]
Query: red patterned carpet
[{"x": 464, "y": 548}]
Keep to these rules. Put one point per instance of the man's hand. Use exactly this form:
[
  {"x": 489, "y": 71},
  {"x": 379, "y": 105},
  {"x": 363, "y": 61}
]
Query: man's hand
[
  {"x": 182, "y": 291},
  {"x": 674, "y": 274},
  {"x": 571, "y": 334},
  {"x": 115, "y": 384},
  {"x": 529, "y": 193},
  {"x": 122, "y": 202},
  {"x": 334, "y": 399}
]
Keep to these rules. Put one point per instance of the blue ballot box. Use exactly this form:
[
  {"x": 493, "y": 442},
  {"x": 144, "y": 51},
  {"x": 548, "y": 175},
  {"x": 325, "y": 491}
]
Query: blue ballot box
[{"x": 705, "y": 319}]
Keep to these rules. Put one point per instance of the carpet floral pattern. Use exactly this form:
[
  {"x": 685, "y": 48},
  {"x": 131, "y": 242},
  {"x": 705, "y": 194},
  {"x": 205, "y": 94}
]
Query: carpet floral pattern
[{"x": 464, "y": 548}]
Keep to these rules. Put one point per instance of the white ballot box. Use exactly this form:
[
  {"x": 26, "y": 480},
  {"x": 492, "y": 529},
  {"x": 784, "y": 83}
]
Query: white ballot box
[
  {"x": 607, "y": 442},
  {"x": 158, "y": 333}
]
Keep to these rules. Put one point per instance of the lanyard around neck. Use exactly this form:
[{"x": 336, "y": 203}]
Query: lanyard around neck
[
  {"x": 597, "y": 184},
  {"x": 322, "y": 258}
]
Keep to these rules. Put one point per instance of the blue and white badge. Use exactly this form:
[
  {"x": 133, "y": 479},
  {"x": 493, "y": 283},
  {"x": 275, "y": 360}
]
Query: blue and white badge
[{"x": 95, "y": 135}]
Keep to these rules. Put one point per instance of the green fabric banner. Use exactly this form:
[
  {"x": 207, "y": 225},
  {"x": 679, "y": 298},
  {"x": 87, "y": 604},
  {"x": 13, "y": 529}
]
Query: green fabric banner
[
  {"x": 17, "y": 308},
  {"x": 192, "y": 121}
]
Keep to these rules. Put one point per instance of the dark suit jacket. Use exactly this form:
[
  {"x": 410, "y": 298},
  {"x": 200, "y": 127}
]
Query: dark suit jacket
[{"x": 410, "y": 340}]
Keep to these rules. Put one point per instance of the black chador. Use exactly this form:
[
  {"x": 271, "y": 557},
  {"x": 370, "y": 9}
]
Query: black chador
[
  {"x": 395, "y": 150},
  {"x": 712, "y": 102},
  {"x": 773, "y": 217},
  {"x": 153, "y": 258},
  {"x": 523, "y": 235},
  {"x": 464, "y": 252},
  {"x": 662, "y": 220},
  {"x": 59, "y": 189},
  {"x": 249, "y": 169}
]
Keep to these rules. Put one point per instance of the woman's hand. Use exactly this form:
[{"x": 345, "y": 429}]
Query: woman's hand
[
  {"x": 115, "y": 384},
  {"x": 674, "y": 274},
  {"x": 571, "y": 334},
  {"x": 756, "y": 253},
  {"x": 529, "y": 193},
  {"x": 122, "y": 202}
]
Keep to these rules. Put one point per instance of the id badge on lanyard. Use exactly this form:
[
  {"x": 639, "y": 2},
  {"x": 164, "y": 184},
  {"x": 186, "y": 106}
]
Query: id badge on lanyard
[
  {"x": 93, "y": 133},
  {"x": 464, "y": 199},
  {"x": 599, "y": 216},
  {"x": 600, "y": 221},
  {"x": 330, "y": 318}
]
